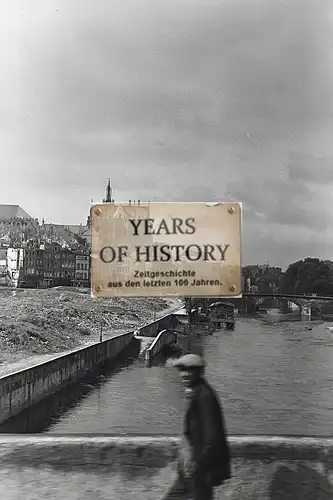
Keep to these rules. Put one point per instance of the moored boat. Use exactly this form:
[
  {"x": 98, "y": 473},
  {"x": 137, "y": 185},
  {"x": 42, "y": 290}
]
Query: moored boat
[{"x": 222, "y": 313}]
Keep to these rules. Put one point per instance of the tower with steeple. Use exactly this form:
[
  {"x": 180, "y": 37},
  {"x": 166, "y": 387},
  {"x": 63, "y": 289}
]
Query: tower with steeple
[{"x": 108, "y": 197}]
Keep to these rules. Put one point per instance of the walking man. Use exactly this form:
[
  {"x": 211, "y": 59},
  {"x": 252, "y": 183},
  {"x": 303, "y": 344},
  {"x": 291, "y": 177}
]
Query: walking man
[{"x": 205, "y": 461}]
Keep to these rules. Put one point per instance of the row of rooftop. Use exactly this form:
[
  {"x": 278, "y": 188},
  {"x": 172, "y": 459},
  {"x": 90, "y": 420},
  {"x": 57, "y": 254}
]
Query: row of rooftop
[
  {"x": 44, "y": 267},
  {"x": 19, "y": 229},
  {"x": 39, "y": 255}
]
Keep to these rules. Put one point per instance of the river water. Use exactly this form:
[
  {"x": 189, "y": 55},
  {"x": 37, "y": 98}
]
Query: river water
[{"x": 273, "y": 374}]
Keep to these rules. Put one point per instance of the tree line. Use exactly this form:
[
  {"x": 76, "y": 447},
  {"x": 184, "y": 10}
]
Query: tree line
[{"x": 308, "y": 276}]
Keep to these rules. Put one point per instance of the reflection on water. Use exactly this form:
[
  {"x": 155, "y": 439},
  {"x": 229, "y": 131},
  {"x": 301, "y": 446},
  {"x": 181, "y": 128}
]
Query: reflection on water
[{"x": 274, "y": 376}]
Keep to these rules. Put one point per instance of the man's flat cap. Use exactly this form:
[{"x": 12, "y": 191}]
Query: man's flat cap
[{"x": 190, "y": 361}]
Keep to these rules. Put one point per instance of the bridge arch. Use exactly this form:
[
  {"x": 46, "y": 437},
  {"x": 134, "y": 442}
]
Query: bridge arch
[
  {"x": 303, "y": 302},
  {"x": 300, "y": 303},
  {"x": 313, "y": 304}
]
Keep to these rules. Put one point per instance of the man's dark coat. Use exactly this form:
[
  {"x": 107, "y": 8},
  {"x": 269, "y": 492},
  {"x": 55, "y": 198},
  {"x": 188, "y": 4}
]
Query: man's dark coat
[{"x": 205, "y": 431}]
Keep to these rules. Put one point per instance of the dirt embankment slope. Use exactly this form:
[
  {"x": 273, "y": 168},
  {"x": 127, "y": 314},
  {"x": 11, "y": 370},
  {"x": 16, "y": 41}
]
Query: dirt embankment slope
[{"x": 59, "y": 319}]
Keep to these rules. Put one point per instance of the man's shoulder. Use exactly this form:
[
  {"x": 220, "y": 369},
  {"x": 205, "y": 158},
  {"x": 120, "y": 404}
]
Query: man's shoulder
[{"x": 207, "y": 392}]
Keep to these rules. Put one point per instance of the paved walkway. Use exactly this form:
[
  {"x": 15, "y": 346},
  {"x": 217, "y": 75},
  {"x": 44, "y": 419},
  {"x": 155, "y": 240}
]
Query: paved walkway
[{"x": 31, "y": 361}]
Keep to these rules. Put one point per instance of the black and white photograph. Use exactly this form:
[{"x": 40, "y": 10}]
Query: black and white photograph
[{"x": 166, "y": 250}]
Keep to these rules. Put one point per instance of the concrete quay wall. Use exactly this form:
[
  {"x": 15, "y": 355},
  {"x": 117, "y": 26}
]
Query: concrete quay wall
[
  {"x": 163, "y": 338},
  {"x": 152, "y": 329},
  {"x": 263, "y": 467},
  {"x": 22, "y": 389}
]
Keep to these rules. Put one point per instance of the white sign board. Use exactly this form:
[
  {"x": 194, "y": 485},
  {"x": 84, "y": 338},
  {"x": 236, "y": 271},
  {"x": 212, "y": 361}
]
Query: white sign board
[{"x": 166, "y": 249}]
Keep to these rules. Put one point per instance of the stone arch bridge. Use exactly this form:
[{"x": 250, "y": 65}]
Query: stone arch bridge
[{"x": 306, "y": 303}]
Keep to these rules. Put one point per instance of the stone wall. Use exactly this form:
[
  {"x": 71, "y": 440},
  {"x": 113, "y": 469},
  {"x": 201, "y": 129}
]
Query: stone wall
[
  {"x": 165, "y": 337},
  {"x": 166, "y": 322},
  {"x": 24, "y": 388},
  {"x": 263, "y": 468}
]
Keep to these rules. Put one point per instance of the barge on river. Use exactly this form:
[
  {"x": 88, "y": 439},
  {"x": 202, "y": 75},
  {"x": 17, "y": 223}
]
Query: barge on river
[{"x": 222, "y": 313}]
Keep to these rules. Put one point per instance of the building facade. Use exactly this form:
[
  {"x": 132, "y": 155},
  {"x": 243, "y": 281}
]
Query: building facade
[
  {"x": 14, "y": 263},
  {"x": 82, "y": 270},
  {"x": 46, "y": 266},
  {"x": 34, "y": 255},
  {"x": 3, "y": 267}
]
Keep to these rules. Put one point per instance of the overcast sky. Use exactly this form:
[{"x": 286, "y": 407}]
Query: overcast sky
[{"x": 194, "y": 100}]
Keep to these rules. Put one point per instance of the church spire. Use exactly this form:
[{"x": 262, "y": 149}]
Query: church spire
[{"x": 108, "y": 198}]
